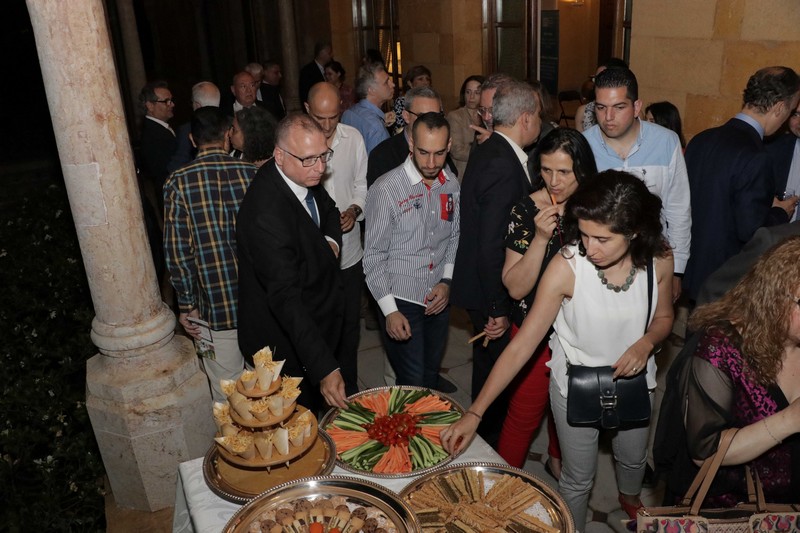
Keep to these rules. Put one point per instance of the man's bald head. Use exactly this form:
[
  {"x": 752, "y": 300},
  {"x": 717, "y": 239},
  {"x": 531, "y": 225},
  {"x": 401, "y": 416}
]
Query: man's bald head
[{"x": 324, "y": 106}]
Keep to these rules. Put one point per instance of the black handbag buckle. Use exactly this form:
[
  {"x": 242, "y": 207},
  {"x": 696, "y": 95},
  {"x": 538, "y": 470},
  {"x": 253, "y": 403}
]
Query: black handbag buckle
[{"x": 608, "y": 401}]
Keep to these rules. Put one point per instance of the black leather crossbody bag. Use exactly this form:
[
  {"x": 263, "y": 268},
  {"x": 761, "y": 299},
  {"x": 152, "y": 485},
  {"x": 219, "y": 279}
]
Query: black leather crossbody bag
[{"x": 595, "y": 399}]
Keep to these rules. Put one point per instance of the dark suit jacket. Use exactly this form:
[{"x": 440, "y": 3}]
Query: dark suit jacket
[
  {"x": 184, "y": 151},
  {"x": 157, "y": 146},
  {"x": 390, "y": 154},
  {"x": 309, "y": 75},
  {"x": 228, "y": 106},
  {"x": 291, "y": 295},
  {"x": 271, "y": 98},
  {"x": 493, "y": 182},
  {"x": 781, "y": 149},
  {"x": 737, "y": 266},
  {"x": 732, "y": 188}
]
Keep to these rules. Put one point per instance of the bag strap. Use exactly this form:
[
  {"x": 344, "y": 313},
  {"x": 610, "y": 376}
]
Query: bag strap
[
  {"x": 708, "y": 470},
  {"x": 649, "y": 294}
]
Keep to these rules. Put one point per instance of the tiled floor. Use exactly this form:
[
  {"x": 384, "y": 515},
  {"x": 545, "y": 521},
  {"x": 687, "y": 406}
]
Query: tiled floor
[{"x": 604, "y": 510}]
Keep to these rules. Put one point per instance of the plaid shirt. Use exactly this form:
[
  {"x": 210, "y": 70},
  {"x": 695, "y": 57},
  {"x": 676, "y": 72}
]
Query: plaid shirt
[{"x": 201, "y": 202}]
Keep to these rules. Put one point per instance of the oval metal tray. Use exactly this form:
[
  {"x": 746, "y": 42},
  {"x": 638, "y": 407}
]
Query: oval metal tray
[
  {"x": 552, "y": 504},
  {"x": 357, "y": 491},
  {"x": 331, "y": 415},
  {"x": 240, "y": 485}
]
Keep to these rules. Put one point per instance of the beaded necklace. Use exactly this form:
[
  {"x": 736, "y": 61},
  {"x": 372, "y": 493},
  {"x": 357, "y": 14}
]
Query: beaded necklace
[{"x": 617, "y": 288}]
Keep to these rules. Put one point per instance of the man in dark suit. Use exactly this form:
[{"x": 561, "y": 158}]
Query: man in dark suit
[
  {"x": 394, "y": 151},
  {"x": 243, "y": 89},
  {"x": 496, "y": 178},
  {"x": 271, "y": 90},
  {"x": 291, "y": 295},
  {"x": 730, "y": 175},
  {"x": 158, "y": 142},
  {"x": 785, "y": 152},
  {"x": 314, "y": 72},
  {"x": 734, "y": 269}
]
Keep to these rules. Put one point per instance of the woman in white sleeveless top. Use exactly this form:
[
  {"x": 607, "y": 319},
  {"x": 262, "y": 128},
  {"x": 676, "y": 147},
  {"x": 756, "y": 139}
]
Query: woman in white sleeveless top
[{"x": 594, "y": 294}]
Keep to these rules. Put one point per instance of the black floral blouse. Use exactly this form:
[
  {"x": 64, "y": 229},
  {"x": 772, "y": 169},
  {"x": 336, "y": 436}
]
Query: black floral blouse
[{"x": 521, "y": 231}]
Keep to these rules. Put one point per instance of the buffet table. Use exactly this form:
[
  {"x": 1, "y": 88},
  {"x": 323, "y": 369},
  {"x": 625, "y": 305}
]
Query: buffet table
[{"x": 199, "y": 510}]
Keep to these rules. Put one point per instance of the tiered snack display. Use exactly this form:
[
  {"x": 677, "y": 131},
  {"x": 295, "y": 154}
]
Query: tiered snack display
[{"x": 261, "y": 428}]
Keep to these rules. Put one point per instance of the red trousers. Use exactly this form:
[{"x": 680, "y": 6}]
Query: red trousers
[{"x": 529, "y": 403}]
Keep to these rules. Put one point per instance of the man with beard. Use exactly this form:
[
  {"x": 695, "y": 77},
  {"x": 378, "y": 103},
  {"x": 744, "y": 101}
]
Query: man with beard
[{"x": 412, "y": 218}]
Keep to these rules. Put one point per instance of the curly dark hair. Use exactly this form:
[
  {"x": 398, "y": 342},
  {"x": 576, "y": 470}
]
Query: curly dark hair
[
  {"x": 258, "y": 127},
  {"x": 758, "y": 310},
  {"x": 622, "y": 202},
  {"x": 770, "y": 86},
  {"x": 572, "y": 143}
]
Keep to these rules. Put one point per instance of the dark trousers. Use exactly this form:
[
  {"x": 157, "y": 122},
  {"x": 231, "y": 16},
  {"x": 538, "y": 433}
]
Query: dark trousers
[
  {"x": 483, "y": 360},
  {"x": 416, "y": 360},
  {"x": 353, "y": 278}
]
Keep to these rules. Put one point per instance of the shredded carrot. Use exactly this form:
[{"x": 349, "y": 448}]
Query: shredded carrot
[
  {"x": 432, "y": 433},
  {"x": 377, "y": 402},
  {"x": 346, "y": 439},
  {"x": 427, "y": 404},
  {"x": 395, "y": 461}
]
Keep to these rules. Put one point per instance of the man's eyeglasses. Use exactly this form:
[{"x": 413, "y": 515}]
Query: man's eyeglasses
[
  {"x": 484, "y": 111},
  {"x": 166, "y": 101},
  {"x": 311, "y": 160}
]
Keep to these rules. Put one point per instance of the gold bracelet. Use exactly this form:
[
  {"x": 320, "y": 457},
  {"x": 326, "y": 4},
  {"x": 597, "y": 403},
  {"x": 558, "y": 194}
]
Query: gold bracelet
[
  {"x": 473, "y": 413},
  {"x": 769, "y": 432}
]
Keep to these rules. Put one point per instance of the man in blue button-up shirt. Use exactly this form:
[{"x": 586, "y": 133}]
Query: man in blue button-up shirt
[{"x": 373, "y": 88}]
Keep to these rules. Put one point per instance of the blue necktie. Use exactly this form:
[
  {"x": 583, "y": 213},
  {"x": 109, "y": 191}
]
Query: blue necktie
[{"x": 312, "y": 208}]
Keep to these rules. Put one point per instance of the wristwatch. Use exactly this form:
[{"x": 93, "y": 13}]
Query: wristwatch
[{"x": 356, "y": 209}]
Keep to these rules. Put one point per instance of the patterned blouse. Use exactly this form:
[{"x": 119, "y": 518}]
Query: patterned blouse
[
  {"x": 521, "y": 231},
  {"x": 721, "y": 394}
]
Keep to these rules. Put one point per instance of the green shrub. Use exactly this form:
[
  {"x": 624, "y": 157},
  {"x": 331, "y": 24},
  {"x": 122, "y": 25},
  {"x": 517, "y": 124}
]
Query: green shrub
[{"x": 51, "y": 470}]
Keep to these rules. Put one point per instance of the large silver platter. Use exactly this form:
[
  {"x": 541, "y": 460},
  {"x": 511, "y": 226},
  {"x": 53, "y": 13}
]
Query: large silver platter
[
  {"x": 238, "y": 485},
  {"x": 331, "y": 415},
  {"x": 552, "y": 505},
  {"x": 356, "y": 491}
]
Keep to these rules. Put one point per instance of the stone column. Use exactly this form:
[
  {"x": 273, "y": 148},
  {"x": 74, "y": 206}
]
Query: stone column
[
  {"x": 147, "y": 399},
  {"x": 291, "y": 65},
  {"x": 133, "y": 54}
]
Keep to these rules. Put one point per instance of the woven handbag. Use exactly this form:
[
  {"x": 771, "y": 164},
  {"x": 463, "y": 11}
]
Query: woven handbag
[{"x": 753, "y": 516}]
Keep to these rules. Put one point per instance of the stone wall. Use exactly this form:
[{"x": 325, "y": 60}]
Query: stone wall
[
  {"x": 699, "y": 54},
  {"x": 444, "y": 36}
]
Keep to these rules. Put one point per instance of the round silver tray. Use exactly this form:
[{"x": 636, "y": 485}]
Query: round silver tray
[
  {"x": 227, "y": 490},
  {"x": 358, "y": 491},
  {"x": 552, "y": 502},
  {"x": 334, "y": 412}
]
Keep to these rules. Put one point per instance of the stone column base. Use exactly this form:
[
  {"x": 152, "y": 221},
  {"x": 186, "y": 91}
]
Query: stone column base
[{"x": 149, "y": 413}]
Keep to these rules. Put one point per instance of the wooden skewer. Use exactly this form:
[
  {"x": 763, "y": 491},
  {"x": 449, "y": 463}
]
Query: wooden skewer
[{"x": 476, "y": 337}]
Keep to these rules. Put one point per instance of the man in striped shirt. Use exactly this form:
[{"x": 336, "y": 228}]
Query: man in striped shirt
[
  {"x": 201, "y": 201},
  {"x": 412, "y": 216}
]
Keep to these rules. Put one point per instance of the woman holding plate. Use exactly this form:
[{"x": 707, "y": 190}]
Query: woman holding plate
[{"x": 595, "y": 295}]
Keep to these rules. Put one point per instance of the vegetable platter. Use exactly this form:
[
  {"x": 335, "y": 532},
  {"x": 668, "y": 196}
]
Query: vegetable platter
[{"x": 391, "y": 432}]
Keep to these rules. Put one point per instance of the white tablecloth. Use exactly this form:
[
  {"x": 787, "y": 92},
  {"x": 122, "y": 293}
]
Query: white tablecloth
[{"x": 199, "y": 510}]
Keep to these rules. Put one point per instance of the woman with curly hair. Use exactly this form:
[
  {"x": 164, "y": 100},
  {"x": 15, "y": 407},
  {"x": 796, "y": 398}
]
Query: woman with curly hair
[
  {"x": 744, "y": 374},
  {"x": 595, "y": 295},
  {"x": 253, "y": 134}
]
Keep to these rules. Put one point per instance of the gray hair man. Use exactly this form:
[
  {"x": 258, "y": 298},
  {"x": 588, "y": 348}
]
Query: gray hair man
[{"x": 495, "y": 179}]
